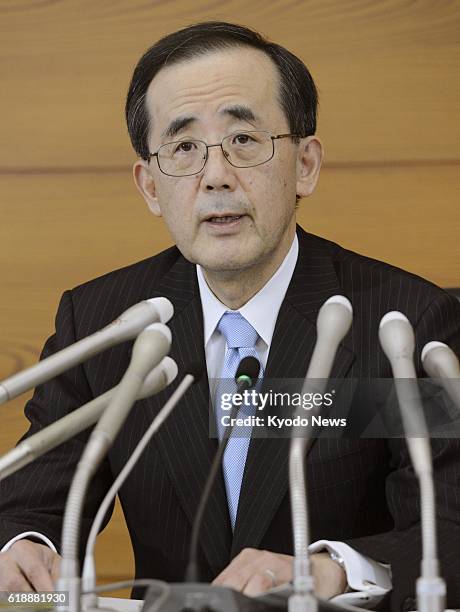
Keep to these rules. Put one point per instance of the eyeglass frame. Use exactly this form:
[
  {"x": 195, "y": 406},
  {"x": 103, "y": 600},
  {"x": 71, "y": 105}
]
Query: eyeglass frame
[{"x": 219, "y": 144}]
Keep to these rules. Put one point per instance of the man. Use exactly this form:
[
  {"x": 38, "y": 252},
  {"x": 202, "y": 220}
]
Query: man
[{"x": 224, "y": 126}]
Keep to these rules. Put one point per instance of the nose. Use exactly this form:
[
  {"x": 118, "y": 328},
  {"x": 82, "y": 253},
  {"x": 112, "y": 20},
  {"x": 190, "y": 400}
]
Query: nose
[{"x": 218, "y": 174}]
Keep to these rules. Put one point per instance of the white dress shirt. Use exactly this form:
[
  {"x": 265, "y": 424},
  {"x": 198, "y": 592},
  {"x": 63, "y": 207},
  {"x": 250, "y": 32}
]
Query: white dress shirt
[{"x": 369, "y": 579}]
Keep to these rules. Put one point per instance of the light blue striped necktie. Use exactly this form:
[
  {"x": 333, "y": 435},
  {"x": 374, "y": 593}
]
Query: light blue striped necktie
[{"x": 241, "y": 339}]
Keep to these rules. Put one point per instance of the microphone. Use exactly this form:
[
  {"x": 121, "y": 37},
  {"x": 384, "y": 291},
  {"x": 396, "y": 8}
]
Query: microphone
[
  {"x": 333, "y": 323},
  {"x": 397, "y": 341},
  {"x": 89, "y": 600},
  {"x": 126, "y": 327},
  {"x": 440, "y": 362},
  {"x": 150, "y": 347},
  {"x": 247, "y": 373},
  {"x": 72, "y": 424},
  {"x": 245, "y": 378}
]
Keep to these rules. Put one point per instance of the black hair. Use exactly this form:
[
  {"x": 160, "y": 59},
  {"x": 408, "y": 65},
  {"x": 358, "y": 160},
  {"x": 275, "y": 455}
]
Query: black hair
[{"x": 298, "y": 95}]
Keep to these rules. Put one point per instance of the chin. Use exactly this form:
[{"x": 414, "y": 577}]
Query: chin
[{"x": 226, "y": 263}]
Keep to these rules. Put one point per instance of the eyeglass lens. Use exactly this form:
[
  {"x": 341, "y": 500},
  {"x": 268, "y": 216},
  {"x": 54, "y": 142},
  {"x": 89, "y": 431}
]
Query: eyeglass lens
[{"x": 244, "y": 149}]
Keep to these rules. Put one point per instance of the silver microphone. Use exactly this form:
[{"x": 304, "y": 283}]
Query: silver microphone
[
  {"x": 333, "y": 323},
  {"x": 150, "y": 347},
  {"x": 80, "y": 419},
  {"x": 126, "y": 327},
  {"x": 440, "y": 362},
  {"x": 397, "y": 340}
]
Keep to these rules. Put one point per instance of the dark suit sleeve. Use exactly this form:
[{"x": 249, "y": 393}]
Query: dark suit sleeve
[
  {"x": 34, "y": 498},
  {"x": 402, "y": 547}
]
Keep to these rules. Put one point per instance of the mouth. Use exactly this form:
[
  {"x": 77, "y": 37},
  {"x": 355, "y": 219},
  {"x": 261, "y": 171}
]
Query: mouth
[
  {"x": 223, "y": 219},
  {"x": 224, "y": 222}
]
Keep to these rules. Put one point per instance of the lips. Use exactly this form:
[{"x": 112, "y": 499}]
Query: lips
[
  {"x": 226, "y": 219},
  {"x": 223, "y": 218}
]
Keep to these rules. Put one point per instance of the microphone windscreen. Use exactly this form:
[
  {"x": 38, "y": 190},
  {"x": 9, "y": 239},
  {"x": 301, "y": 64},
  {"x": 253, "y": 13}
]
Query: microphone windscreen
[{"x": 248, "y": 366}]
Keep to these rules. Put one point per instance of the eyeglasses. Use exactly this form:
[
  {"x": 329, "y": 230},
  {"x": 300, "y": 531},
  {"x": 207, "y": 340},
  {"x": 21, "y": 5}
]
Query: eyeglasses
[{"x": 242, "y": 150}]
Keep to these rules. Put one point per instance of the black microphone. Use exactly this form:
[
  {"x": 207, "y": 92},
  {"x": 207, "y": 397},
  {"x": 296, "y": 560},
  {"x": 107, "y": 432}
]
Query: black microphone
[{"x": 246, "y": 376}]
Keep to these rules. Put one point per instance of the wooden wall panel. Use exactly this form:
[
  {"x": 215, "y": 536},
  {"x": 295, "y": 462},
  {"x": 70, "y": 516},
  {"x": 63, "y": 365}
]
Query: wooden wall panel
[
  {"x": 389, "y": 119},
  {"x": 387, "y": 72},
  {"x": 407, "y": 216}
]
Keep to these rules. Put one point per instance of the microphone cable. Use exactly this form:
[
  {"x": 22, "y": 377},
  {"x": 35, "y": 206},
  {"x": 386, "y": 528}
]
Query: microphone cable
[{"x": 245, "y": 377}]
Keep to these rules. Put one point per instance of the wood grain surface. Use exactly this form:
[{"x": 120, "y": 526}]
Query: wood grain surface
[{"x": 388, "y": 75}]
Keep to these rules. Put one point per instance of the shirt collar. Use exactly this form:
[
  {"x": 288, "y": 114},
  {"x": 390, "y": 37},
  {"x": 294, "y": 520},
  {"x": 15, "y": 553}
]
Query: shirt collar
[{"x": 262, "y": 309}]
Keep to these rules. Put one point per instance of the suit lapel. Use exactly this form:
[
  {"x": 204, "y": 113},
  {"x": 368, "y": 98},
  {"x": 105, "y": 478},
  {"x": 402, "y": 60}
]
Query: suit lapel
[
  {"x": 183, "y": 440},
  {"x": 265, "y": 480}
]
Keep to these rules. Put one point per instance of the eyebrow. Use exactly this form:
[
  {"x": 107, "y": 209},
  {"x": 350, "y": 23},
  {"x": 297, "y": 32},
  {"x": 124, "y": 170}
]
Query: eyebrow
[
  {"x": 243, "y": 113},
  {"x": 238, "y": 111},
  {"x": 177, "y": 125}
]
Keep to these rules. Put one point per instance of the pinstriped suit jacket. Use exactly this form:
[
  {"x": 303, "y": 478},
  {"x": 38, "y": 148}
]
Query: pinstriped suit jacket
[{"x": 361, "y": 491}]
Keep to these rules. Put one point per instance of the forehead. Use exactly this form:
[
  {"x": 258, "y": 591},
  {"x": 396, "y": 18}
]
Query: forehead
[{"x": 205, "y": 85}]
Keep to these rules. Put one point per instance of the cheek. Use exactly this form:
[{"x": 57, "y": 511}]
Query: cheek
[
  {"x": 269, "y": 189},
  {"x": 177, "y": 201},
  {"x": 258, "y": 184},
  {"x": 176, "y": 196}
]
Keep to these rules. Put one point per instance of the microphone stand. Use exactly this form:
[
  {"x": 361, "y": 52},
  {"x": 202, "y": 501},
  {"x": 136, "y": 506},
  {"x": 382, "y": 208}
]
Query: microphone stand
[
  {"x": 333, "y": 323},
  {"x": 397, "y": 341}
]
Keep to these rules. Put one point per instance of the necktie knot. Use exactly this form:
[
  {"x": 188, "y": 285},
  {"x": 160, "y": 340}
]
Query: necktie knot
[{"x": 237, "y": 331}]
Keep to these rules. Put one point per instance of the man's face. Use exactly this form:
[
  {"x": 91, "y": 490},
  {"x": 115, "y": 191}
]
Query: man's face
[{"x": 208, "y": 98}]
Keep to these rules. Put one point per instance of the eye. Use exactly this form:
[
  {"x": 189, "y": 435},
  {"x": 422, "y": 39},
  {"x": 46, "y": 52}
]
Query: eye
[
  {"x": 185, "y": 146},
  {"x": 242, "y": 139}
]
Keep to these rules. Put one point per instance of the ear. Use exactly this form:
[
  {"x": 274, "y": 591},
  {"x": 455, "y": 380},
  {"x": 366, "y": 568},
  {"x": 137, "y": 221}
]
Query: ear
[
  {"x": 309, "y": 158},
  {"x": 143, "y": 178}
]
